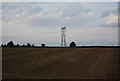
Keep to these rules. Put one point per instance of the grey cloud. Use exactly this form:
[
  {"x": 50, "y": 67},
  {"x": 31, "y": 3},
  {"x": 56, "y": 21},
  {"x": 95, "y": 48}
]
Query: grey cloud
[
  {"x": 75, "y": 12},
  {"x": 110, "y": 21},
  {"x": 44, "y": 16},
  {"x": 36, "y": 10},
  {"x": 108, "y": 12},
  {"x": 74, "y": 9},
  {"x": 15, "y": 8},
  {"x": 42, "y": 21},
  {"x": 115, "y": 25}
]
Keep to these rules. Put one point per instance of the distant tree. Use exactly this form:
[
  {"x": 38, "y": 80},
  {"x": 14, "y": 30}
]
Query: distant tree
[
  {"x": 72, "y": 44},
  {"x": 10, "y": 44},
  {"x": 17, "y": 45},
  {"x": 23, "y": 45},
  {"x": 42, "y": 45},
  {"x": 28, "y": 45},
  {"x": 33, "y": 45},
  {"x": 2, "y": 45}
]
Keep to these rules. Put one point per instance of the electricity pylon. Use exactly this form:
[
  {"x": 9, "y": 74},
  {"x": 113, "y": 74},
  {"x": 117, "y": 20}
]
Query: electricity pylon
[{"x": 63, "y": 36}]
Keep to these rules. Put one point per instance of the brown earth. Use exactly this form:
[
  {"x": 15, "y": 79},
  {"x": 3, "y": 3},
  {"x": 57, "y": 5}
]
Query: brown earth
[{"x": 60, "y": 63}]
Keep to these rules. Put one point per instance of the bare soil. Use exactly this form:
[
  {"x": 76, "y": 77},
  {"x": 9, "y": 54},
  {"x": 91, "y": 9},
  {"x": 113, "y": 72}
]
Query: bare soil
[{"x": 60, "y": 63}]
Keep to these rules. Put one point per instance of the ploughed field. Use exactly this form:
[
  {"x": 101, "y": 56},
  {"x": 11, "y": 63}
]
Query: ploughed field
[{"x": 60, "y": 63}]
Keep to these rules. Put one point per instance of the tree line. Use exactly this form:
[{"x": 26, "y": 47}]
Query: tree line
[
  {"x": 11, "y": 44},
  {"x": 72, "y": 44}
]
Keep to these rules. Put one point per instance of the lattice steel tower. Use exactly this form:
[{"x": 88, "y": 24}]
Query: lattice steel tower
[{"x": 63, "y": 36}]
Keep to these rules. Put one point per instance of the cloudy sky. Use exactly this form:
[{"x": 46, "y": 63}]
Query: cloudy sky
[{"x": 87, "y": 23}]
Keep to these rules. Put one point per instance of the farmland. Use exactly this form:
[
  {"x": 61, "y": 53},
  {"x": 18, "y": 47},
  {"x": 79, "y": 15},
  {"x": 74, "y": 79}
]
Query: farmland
[{"x": 60, "y": 63}]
